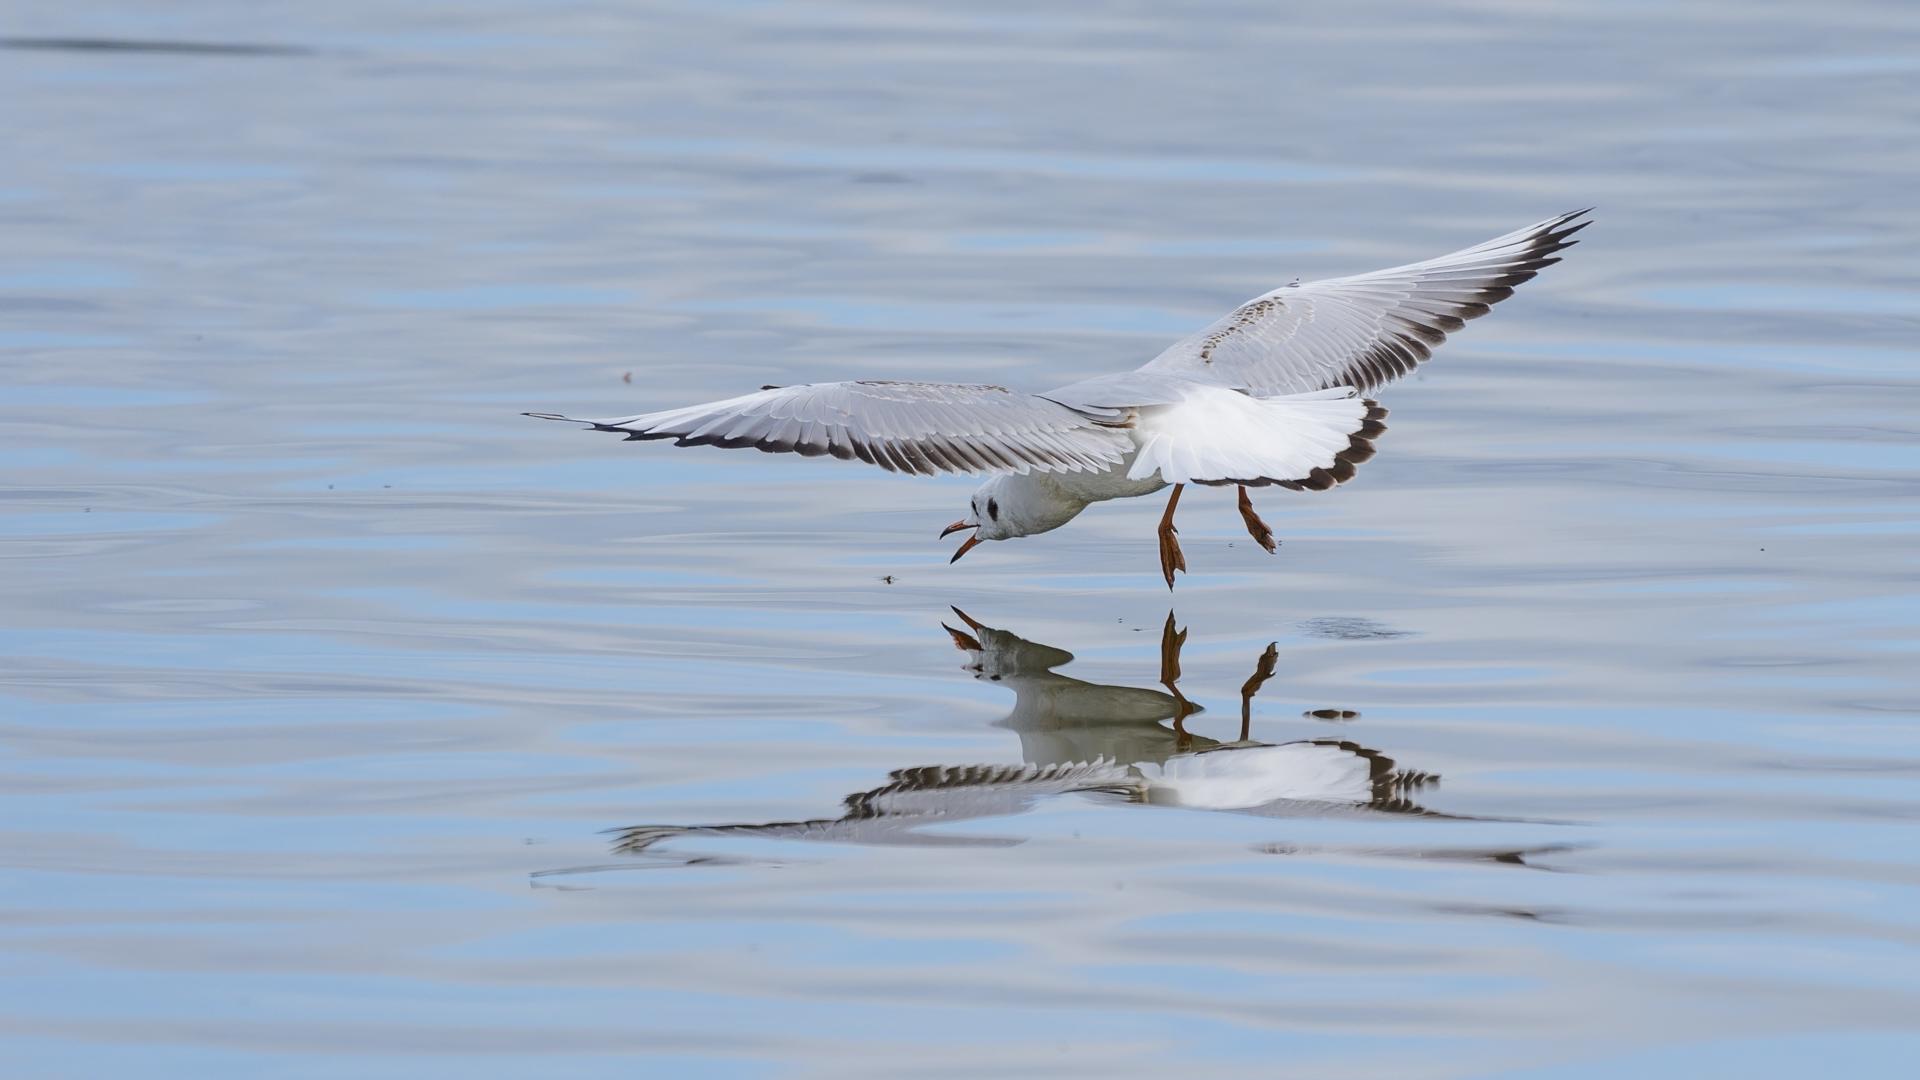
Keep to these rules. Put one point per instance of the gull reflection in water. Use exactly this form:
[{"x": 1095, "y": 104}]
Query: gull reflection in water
[{"x": 1128, "y": 744}]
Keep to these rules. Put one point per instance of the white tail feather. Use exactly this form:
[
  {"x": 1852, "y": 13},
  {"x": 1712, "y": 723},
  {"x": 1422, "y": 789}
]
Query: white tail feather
[{"x": 1218, "y": 436}]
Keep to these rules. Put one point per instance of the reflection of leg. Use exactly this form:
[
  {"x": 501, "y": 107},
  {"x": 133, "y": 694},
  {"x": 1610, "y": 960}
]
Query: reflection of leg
[
  {"x": 1171, "y": 558},
  {"x": 1255, "y": 527},
  {"x": 1262, "y": 671},
  {"x": 1171, "y": 641}
]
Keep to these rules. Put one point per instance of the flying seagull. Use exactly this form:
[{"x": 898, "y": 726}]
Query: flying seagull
[{"x": 1269, "y": 394}]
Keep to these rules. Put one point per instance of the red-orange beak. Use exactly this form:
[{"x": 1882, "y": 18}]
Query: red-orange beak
[
  {"x": 972, "y": 542},
  {"x": 963, "y": 523}
]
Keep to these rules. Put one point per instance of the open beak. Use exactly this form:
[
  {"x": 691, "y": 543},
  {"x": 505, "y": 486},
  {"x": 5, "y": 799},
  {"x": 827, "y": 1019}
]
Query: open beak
[
  {"x": 963, "y": 523},
  {"x": 972, "y": 542}
]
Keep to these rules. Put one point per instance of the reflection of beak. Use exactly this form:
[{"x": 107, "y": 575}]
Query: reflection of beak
[
  {"x": 972, "y": 542},
  {"x": 963, "y": 523},
  {"x": 962, "y": 640},
  {"x": 978, "y": 626}
]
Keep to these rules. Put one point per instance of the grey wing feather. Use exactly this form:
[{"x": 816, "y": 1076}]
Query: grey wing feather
[
  {"x": 1116, "y": 398},
  {"x": 1365, "y": 330},
  {"x": 912, "y": 427}
]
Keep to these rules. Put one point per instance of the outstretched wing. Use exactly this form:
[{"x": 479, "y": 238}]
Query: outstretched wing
[
  {"x": 1365, "y": 330},
  {"x": 911, "y": 427}
]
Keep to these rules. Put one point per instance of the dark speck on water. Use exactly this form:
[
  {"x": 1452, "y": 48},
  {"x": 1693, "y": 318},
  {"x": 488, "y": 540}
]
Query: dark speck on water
[
  {"x": 125, "y": 45},
  {"x": 273, "y": 758},
  {"x": 1349, "y": 628}
]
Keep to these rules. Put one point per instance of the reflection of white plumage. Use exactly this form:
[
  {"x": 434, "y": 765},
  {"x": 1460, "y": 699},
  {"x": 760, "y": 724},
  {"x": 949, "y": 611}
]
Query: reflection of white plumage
[
  {"x": 1267, "y": 394},
  {"x": 1088, "y": 738},
  {"x": 1248, "y": 776}
]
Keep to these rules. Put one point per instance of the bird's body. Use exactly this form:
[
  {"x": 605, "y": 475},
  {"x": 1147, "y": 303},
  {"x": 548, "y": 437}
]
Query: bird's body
[
  {"x": 1041, "y": 502},
  {"x": 1090, "y": 488},
  {"x": 1268, "y": 394}
]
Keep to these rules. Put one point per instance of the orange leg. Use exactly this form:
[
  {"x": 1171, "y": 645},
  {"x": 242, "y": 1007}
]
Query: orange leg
[
  {"x": 1171, "y": 558},
  {"x": 1255, "y": 527}
]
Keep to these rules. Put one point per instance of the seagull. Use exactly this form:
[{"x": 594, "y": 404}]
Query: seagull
[{"x": 1270, "y": 394}]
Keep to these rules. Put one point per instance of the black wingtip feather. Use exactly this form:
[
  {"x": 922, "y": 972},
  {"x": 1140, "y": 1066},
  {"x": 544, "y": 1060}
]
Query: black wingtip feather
[{"x": 1418, "y": 330}]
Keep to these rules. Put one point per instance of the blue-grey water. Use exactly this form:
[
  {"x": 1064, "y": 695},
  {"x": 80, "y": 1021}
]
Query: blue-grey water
[{"x": 324, "y": 676}]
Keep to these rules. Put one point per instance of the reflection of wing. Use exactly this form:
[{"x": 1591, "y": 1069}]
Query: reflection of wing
[
  {"x": 1285, "y": 780},
  {"x": 926, "y": 795},
  {"x": 1298, "y": 776},
  {"x": 1365, "y": 330},
  {"x": 912, "y": 427},
  {"x": 970, "y": 791}
]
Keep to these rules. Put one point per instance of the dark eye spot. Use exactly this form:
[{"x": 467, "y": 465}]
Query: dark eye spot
[{"x": 993, "y": 509}]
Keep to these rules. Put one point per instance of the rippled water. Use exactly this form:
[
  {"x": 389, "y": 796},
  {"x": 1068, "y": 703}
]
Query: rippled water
[{"x": 328, "y": 682}]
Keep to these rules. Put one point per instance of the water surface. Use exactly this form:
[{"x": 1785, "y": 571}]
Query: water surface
[{"x": 328, "y": 683}]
